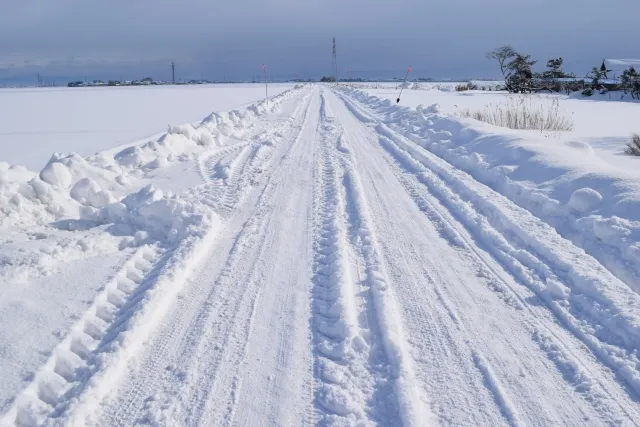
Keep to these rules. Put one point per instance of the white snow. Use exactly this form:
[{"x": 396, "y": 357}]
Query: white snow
[
  {"x": 326, "y": 257},
  {"x": 37, "y": 122},
  {"x": 584, "y": 200},
  {"x": 87, "y": 192},
  {"x": 541, "y": 172}
]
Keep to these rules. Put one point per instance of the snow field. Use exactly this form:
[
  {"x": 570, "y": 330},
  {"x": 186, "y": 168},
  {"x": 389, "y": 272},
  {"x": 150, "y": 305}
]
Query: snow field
[
  {"x": 328, "y": 266},
  {"x": 109, "y": 334},
  {"x": 72, "y": 186},
  {"x": 38, "y": 121}
]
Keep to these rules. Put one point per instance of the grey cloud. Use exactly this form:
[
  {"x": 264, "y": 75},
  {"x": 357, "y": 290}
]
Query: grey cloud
[{"x": 439, "y": 37}]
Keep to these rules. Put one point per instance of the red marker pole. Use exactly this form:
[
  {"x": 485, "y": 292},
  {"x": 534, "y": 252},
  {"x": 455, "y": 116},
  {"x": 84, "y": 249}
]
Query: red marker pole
[
  {"x": 403, "y": 83},
  {"x": 266, "y": 86}
]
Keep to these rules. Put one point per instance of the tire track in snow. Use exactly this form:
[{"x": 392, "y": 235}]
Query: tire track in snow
[
  {"x": 337, "y": 337},
  {"x": 526, "y": 268},
  {"x": 168, "y": 375},
  {"x": 586, "y": 383},
  {"x": 218, "y": 348},
  {"x": 361, "y": 357},
  {"x": 573, "y": 370},
  {"x": 229, "y": 168},
  {"x": 77, "y": 356},
  {"x": 502, "y": 398}
]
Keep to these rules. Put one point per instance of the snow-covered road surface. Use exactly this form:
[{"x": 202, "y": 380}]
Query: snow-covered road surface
[{"x": 345, "y": 275}]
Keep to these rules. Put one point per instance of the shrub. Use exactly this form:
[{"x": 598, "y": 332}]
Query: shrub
[
  {"x": 587, "y": 92},
  {"x": 464, "y": 87},
  {"x": 522, "y": 113},
  {"x": 633, "y": 147}
]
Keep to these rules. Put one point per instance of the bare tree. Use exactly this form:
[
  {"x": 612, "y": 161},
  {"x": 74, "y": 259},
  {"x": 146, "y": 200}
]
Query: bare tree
[{"x": 502, "y": 54}]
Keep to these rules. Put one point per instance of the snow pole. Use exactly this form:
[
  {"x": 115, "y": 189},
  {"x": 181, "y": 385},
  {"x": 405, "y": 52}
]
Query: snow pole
[
  {"x": 403, "y": 83},
  {"x": 266, "y": 85}
]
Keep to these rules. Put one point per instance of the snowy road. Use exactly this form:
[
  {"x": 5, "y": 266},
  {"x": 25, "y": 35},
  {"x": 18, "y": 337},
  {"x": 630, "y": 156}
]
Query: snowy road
[{"x": 352, "y": 277}]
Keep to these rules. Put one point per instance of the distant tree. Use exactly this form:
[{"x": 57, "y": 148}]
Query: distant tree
[
  {"x": 520, "y": 76},
  {"x": 147, "y": 79},
  {"x": 502, "y": 55},
  {"x": 551, "y": 76},
  {"x": 596, "y": 75},
  {"x": 330, "y": 79},
  {"x": 630, "y": 82},
  {"x": 554, "y": 69}
]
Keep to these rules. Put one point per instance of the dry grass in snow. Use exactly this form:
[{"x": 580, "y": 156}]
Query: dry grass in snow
[
  {"x": 524, "y": 113},
  {"x": 633, "y": 147}
]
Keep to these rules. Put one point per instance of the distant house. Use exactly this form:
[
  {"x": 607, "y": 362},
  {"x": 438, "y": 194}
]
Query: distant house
[{"x": 616, "y": 67}]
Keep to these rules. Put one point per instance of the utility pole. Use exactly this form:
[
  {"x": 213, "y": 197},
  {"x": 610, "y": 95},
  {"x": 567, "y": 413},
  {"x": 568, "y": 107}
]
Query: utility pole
[
  {"x": 266, "y": 84},
  {"x": 173, "y": 71},
  {"x": 334, "y": 63},
  {"x": 349, "y": 74}
]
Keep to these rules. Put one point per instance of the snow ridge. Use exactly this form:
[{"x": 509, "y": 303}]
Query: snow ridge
[
  {"x": 74, "y": 358},
  {"x": 70, "y": 186}
]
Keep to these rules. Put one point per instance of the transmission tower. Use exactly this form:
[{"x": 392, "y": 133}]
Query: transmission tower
[
  {"x": 173, "y": 71},
  {"x": 334, "y": 64}
]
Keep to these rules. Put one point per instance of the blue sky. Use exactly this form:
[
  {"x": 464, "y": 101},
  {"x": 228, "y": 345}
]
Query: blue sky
[{"x": 440, "y": 38}]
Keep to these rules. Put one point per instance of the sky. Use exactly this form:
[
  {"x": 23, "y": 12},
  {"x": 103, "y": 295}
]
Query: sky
[{"x": 126, "y": 39}]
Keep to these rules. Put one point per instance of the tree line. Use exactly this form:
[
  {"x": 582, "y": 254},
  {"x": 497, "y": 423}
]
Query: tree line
[{"x": 516, "y": 68}]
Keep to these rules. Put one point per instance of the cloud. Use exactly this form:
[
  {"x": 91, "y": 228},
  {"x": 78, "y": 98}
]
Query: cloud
[{"x": 439, "y": 37}]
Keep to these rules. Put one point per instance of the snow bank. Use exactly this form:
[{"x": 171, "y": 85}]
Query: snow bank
[
  {"x": 71, "y": 186},
  {"x": 162, "y": 217},
  {"x": 588, "y": 198}
]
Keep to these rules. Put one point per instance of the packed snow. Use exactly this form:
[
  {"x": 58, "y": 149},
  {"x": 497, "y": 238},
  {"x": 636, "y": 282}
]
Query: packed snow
[{"x": 323, "y": 257}]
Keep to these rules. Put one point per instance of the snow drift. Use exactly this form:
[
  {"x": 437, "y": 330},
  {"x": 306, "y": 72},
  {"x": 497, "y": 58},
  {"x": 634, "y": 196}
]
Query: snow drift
[
  {"x": 95, "y": 188},
  {"x": 586, "y": 198}
]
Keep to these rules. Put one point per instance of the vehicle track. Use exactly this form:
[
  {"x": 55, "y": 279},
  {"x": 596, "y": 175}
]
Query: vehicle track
[{"x": 611, "y": 399}]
